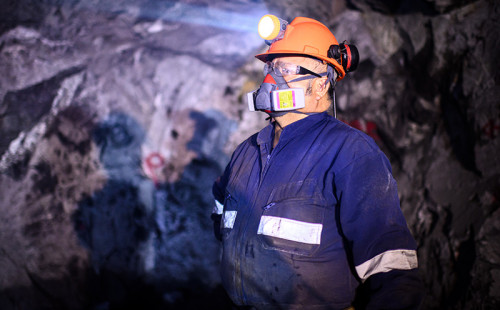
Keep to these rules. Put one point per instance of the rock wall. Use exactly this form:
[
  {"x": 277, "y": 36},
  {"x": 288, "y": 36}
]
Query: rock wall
[{"x": 115, "y": 118}]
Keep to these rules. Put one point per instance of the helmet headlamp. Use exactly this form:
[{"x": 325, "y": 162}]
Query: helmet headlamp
[{"x": 271, "y": 28}]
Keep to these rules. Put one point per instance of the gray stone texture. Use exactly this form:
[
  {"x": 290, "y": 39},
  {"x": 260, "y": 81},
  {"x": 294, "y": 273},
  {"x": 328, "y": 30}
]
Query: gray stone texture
[{"x": 116, "y": 117}]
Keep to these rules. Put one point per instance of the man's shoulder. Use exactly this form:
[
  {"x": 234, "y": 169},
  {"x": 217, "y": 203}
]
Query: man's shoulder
[
  {"x": 250, "y": 142},
  {"x": 348, "y": 136},
  {"x": 347, "y": 145}
]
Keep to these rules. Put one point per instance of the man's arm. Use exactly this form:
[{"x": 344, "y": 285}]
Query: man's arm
[
  {"x": 395, "y": 289},
  {"x": 383, "y": 251},
  {"x": 218, "y": 190}
]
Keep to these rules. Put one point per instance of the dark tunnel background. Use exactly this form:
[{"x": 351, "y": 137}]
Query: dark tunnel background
[{"x": 116, "y": 117}]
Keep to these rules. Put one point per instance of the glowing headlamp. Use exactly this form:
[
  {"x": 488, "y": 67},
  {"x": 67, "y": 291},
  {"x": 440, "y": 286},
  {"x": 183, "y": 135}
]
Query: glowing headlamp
[{"x": 272, "y": 28}]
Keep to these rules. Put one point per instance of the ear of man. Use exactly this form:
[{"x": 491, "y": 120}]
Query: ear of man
[{"x": 320, "y": 87}]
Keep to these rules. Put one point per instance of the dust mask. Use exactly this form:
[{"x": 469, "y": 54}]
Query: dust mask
[{"x": 275, "y": 97}]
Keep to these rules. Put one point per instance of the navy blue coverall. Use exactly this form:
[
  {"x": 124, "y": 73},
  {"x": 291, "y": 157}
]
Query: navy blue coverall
[{"x": 305, "y": 224}]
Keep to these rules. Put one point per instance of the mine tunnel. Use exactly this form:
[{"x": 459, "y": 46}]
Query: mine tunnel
[{"x": 116, "y": 118}]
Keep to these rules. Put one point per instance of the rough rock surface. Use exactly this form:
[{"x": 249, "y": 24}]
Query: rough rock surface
[{"x": 115, "y": 118}]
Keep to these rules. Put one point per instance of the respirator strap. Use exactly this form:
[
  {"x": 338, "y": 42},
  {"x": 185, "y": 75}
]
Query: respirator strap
[
  {"x": 305, "y": 113},
  {"x": 280, "y": 81},
  {"x": 307, "y": 77},
  {"x": 283, "y": 84},
  {"x": 331, "y": 75},
  {"x": 332, "y": 79},
  {"x": 273, "y": 115}
]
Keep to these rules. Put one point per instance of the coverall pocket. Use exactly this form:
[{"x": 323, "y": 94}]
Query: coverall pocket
[{"x": 293, "y": 226}]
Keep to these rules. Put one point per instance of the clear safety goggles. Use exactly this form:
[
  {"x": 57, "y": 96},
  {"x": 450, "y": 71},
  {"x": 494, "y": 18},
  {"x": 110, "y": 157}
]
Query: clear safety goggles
[{"x": 284, "y": 69}]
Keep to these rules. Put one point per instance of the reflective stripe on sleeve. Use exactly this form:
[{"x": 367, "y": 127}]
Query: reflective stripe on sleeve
[
  {"x": 290, "y": 229},
  {"x": 387, "y": 261},
  {"x": 218, "y": 208},
  {"x": 229, "y": 218}
]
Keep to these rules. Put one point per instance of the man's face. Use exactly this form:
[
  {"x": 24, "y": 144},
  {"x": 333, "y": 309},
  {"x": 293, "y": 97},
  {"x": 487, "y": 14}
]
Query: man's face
[{"x": 310, "y": 86}]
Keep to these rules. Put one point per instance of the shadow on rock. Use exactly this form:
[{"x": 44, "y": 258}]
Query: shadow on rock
[{"x": 151, "y": 245}]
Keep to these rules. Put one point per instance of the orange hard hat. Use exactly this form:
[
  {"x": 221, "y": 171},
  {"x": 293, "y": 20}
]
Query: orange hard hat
[{"x": 308, "y": 37}]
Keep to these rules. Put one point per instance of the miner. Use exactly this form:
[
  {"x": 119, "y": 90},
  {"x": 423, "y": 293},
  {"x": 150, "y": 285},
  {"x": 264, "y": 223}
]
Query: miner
[{"x": 307, "y": 209}]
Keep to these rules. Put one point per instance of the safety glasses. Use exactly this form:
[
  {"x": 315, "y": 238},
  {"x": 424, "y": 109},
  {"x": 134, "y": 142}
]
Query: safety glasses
[{"x": 284, "y": 69}]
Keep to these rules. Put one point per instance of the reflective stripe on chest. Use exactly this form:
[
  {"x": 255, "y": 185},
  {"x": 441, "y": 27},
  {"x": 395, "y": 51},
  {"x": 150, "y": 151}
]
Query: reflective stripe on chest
[{"x": 289, "y": 229}]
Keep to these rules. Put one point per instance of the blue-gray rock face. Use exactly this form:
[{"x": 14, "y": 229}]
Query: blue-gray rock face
[{"x": 116, "y": 117}]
